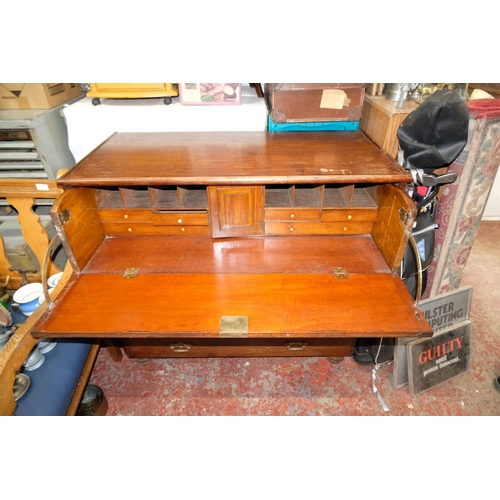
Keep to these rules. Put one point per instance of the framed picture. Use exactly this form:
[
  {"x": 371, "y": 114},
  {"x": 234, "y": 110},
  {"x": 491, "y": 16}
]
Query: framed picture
[{"x": 210, "y": 94}]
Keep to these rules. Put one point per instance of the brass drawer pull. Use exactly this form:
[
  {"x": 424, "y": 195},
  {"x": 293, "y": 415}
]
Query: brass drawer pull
[
  {"x": 296, "y": 346},
  {"x": 180, "y": 347}
]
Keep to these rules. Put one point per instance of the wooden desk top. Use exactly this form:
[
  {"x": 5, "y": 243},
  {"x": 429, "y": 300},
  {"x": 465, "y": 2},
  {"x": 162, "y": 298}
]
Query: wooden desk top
[{"x": 218, "y": 158}]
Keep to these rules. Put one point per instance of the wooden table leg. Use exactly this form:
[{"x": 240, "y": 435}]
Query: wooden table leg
[{"x": 115, "y": 352}]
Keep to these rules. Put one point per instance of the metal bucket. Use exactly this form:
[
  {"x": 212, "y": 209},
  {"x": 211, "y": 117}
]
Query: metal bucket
[{"x": 397, "y": 91}]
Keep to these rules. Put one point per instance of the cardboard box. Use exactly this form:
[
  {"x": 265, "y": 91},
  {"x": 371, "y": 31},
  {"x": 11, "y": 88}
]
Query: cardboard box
[
  {"x": 37, "y": 95},
  {"x": 314, "y": 102},
  {"x": 210, "y": 93}
]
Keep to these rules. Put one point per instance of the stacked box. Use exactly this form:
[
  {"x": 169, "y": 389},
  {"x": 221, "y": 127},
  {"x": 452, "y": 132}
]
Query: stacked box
[
  {"x": 37, "y": 95},
  {"x": 314, "y": 102},
  {"x": 310, "y": 126}
]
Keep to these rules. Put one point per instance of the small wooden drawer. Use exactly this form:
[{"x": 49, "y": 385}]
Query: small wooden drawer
[
  {"x": 125, "y": 215},
  {"x": 203, "y": 348},
  {"x": 132, "y": 227},
  {"x": 282, "y": 228},
  {"x": 150, "y": 229},
  {"x": 180, "y": 218},
  {"x": 283, "y": 214},
  {"x": 184, "y": 230},
  {"x": 349, "y": 215}
]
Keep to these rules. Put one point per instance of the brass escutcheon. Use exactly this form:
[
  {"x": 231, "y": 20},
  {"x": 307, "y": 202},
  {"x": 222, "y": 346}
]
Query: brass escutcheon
[
  {"x": 295, "y": 346},
  {"x": 180, "y": 347},
  {"x": 234, "y": 326},
  {"x": 340, "y": 273},
  {"x": 64, "y": 216},
  {"x": 130, "y": 273}
]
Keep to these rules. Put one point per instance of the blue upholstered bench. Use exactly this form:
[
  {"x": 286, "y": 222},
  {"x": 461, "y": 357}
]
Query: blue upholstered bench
[{"x": 58, "y": 384}]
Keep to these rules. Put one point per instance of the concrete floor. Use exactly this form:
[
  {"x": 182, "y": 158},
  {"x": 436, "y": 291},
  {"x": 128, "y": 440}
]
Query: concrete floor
[{"x": 314, "y": 386}]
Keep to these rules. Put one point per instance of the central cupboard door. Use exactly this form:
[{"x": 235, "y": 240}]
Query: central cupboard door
[{"x": 236, "y": 210}]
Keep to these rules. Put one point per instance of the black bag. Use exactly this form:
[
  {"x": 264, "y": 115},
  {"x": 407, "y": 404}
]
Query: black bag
[
  {"x": 435, "y": 133},
  {"x": 430, "y": 137}
]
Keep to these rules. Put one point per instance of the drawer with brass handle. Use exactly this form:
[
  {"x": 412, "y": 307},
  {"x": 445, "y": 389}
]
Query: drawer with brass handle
[
  {"x": 150, "y": 229},
  {"x": 202, "y": 348},
  {"x": 349, "y": 215},
  {"x": 282, "y": 228},
  {"x": 282, "y": 214},
  {"x": 120, "y": 215},
  {"x": 180, "y": 218}
]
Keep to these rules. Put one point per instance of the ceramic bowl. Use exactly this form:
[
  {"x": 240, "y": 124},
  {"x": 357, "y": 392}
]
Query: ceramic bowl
[
  {"x": 41, "y": 298},
  {"x": 27, "y": 297},
  {"x": 54, "y": 280},
  {"x": 45, "y": 345},
  {"x": 34, "y": 360}
]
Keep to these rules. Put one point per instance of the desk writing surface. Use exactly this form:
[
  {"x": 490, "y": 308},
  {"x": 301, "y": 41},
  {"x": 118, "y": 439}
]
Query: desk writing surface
[
  {"x": 281, "y": 293},
  {"x": 277, "y": 305},
  {"x": 234, "y": 158},
  {"x": 204, "y": 255}
]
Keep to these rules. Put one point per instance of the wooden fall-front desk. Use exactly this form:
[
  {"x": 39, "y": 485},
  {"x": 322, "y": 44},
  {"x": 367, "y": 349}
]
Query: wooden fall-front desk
[{"x": 234, "y": 244}]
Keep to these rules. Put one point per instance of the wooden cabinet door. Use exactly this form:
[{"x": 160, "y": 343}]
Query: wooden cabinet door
[{"x": 236, "y": 210}]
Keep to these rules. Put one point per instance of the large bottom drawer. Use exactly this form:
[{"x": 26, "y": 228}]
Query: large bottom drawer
[{"x": 226, "y": 348}]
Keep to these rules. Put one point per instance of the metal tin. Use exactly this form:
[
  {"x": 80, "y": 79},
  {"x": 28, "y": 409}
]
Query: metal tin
[
  {"x": 93, "y": 403},
  {"x": 21, "y": 385}
]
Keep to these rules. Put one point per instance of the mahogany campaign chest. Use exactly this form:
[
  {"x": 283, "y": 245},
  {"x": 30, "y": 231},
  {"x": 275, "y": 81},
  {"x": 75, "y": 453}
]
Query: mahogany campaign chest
[{"x": 234, "y": 244}]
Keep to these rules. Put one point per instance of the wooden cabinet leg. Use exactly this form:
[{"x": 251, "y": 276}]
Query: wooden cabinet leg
[{"x": 115, "y": 352}]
